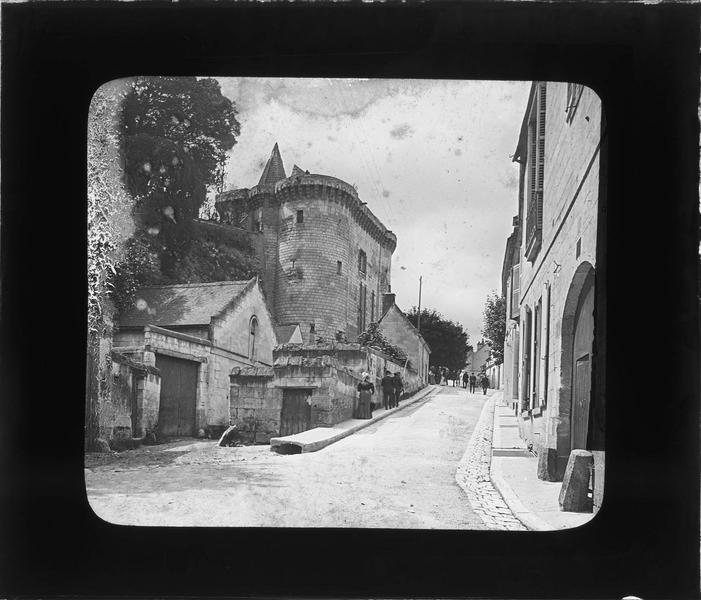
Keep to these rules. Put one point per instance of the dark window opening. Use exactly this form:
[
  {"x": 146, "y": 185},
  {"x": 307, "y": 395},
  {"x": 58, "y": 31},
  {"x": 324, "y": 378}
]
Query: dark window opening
[
  {"x": 362, "y": 261},
  {"x": 300, "y": 216},
  {"x": 339, "y": 266}
]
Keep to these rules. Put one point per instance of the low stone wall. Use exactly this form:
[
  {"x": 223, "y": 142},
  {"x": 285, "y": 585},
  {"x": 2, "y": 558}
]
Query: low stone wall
[
  {"x": 331, "y": 372},
  {"x": 134, "y": 399},
  {"x": 255, "y": 407}
]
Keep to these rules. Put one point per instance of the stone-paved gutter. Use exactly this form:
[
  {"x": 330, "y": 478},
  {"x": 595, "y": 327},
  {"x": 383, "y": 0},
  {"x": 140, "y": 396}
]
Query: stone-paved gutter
[{"x": 473, "y": 476}]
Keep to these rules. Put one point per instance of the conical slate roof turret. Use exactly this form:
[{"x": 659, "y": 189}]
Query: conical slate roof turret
[{"x": 274, "y": 170}]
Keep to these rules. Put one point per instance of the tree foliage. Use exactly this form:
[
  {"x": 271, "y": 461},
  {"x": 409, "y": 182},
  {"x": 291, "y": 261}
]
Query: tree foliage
[
  {"x": 494, "y": 327},
  {"x": 373, "y": 337},
  {"x": 175, "y": 135},
  {"x": 447, "y": 339}
]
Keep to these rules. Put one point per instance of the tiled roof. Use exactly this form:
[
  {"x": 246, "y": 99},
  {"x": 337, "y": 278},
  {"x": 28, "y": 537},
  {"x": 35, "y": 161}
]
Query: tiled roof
[
  {"x": 274, "y": 170},
  {"x": 284, "y": 332},
  {"x": 185, "y": 304}
]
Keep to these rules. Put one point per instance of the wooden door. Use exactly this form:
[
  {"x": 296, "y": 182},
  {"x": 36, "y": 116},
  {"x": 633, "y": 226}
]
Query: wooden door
[
  {"x": 176, "y": 416},
  {"x": 580, "y": 404},
  {"x": 296, "y": 414}
]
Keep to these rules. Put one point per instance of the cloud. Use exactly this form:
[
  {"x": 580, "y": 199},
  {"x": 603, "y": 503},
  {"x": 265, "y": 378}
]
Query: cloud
[{"x": 399, "y": 132}]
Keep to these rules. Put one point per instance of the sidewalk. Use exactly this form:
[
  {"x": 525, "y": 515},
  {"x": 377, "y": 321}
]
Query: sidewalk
[
  {"x": 514, "y": 473},
  {"x": 320, "y": 437}
]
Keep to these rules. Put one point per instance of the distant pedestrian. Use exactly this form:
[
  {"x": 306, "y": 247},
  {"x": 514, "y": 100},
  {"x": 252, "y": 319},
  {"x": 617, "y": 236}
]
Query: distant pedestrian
[
  {"x": 438, "y": 376},
  {"x": 444, "y": 377},
  {"x": 473, "y": 383},
  {"x": 485, "y": 383},
  {"x": 387, "y": 384},
  {"x": 366, "y": 389},
  {"x": 465, "y": 379},
  {"x": 398, "y": 388},
  {"x": 431, "y": 378}
]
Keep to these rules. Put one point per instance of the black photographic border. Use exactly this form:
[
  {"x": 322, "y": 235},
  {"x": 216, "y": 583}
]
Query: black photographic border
[{"x": 642, "y": 60}]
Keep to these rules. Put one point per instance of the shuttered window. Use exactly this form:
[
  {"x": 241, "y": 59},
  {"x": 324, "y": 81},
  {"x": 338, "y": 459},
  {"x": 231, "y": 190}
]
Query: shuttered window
[
  {"x": 536, "y": 172},
  {"x": 515, "y": 290}
]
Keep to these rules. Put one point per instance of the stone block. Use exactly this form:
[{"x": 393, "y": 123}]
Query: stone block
[
  {"x": 547, "y": 464},
  {"x": 574, "y": 494}
]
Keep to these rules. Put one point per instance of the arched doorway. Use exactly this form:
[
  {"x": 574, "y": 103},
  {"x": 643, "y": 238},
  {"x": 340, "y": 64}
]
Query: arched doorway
[
  {"x": 581, "y": 366},
  {"x": 574, "y": 398}
]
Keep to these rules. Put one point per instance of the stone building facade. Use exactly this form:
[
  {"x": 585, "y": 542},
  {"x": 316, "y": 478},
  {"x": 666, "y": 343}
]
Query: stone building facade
[
  {"x": 192, "y": 336},
  {"x": 325, "y": 257},
  {"x": 554, "y": 345}
]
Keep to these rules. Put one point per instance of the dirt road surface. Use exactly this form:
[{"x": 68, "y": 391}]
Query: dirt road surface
[{"x": 396, "y": 473}]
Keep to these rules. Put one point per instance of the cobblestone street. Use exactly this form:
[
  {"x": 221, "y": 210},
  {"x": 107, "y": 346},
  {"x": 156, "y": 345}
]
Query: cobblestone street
[{"x": 415, "y": 469}]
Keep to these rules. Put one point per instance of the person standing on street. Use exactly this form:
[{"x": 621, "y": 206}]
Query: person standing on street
[
  {"x": 387, "y": 384},
  {"x": 473, "y": 383},
  {"x": 366, "y": 389},
  {"x": 398, "y": 388},
  {"x": 485, "y": 383},
  {"x": 465, "y": 379}
]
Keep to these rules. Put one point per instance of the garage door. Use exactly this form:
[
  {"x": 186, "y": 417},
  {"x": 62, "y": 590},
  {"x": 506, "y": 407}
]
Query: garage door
[{"x": 176, "y": 415}]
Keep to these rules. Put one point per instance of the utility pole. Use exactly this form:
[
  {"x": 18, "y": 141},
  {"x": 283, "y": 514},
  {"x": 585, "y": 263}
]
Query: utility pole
[{"x": 418, "y": 318}]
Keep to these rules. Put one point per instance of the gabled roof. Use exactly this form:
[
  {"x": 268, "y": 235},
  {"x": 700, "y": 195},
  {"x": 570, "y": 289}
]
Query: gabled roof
[
  {"x": 297, "y": 171},
  {"x": 274, "y": 170},
  {"x": 407, "y": 321},
  {"x": 184, "y": 304},
  {"x": 285, "y": 332}
]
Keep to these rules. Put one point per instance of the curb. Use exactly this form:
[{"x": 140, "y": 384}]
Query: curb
[
  {"x": 523, "y": 514},
  {"x": 318, "y": 445}
]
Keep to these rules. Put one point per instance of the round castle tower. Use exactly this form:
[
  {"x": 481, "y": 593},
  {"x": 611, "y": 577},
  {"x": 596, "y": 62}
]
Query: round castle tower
[{"x": 326, "y": 257}]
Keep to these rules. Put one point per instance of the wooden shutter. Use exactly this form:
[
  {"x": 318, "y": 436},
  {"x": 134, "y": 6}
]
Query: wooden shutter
[
  {"x": 541, "y": 155},
  {"x": 515, "y": 290}
]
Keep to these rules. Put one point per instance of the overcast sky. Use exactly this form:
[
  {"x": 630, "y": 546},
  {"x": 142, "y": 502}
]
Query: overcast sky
[{"x": 432, "y": 158}]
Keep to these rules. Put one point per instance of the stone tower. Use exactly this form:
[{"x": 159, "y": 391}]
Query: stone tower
[{"x": 326, "y": 257}]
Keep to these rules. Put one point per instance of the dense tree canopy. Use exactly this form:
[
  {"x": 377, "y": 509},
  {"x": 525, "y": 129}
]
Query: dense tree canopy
[
  {"x": 494, "y": 328},
  {"x": 175, "y": 134},
  {"x": 447, "y": 340}
]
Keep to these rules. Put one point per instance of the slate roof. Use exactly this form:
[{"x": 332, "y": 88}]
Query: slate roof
[
  {"x": 184, "y": 304},
  {"x": 284, "y": 332},
  {"x": 274, "y": 170}
]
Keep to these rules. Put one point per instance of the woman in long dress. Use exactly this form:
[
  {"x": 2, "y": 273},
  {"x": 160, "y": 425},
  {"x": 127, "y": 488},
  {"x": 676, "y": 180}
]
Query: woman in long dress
[{"x": 366, "y": 389}]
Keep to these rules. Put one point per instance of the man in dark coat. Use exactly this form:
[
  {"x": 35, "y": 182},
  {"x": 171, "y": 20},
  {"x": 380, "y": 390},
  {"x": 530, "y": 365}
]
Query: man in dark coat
[
  {"x": 485, "y": 383},
  {"x": 473, "y": 383},
  {"x": 387, "y": 385},
  {"x": 465, "y": 379},
  {"x": 398, "y": 388}
]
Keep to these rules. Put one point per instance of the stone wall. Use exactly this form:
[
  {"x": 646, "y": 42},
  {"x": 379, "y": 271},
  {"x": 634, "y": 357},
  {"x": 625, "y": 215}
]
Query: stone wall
[
  {"x": 331, "y": 372},
  {"x": 255, "y": 408},
  {"x": 134, "y": 399}
]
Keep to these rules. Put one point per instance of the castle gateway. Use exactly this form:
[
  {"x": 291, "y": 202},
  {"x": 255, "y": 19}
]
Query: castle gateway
[{"x": 325, "y": 257}]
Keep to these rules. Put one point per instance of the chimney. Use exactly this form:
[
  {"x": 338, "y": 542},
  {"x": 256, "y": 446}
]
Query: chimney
[{"x": 387, "y": 301}]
